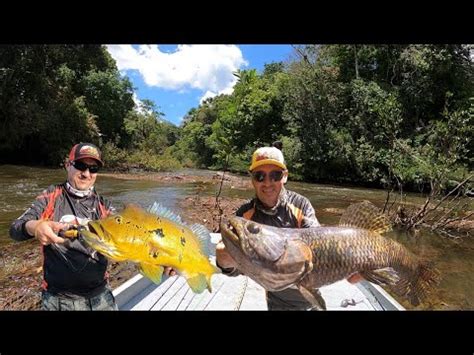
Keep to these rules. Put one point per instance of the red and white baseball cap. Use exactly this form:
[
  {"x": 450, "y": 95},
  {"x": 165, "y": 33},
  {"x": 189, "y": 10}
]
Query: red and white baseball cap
[{"x": 86, "y": 150}]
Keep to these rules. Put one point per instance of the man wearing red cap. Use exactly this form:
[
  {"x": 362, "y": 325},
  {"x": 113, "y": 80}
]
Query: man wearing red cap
[{"x": 74, "y": 275}]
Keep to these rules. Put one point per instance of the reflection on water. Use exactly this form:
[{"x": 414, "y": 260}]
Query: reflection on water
[{"x": 454, "y": 258}]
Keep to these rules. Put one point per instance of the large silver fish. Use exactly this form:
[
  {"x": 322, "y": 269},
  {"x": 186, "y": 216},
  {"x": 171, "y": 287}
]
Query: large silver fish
[{"x": 309, "y": 258}]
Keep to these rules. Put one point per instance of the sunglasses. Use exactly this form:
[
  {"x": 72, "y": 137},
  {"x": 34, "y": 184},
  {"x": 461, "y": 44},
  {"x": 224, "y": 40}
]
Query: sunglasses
[
  {"x": 275, "y": 175},
  {"x": 79, "y": 165}
]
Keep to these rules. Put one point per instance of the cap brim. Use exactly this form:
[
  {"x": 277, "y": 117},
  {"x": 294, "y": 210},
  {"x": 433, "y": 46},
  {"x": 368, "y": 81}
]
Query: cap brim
[
  {"x": 267, "y": 162},
  {"x": 91, "y": 157}
]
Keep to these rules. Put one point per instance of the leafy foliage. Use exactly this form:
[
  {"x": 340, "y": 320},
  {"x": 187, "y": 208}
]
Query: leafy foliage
[
  {"x": 357, "y": 113},
  {"x": 366, "y": 114}
]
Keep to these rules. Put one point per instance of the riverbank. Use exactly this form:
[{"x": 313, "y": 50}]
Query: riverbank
[{"x": 231, "y": 180}]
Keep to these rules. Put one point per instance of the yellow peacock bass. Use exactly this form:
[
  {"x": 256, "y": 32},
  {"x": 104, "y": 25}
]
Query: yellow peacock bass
[{"x": 154, "y": 239}]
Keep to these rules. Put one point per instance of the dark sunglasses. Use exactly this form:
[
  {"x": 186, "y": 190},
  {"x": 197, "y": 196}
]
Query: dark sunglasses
[
  {"x": 79, "y": 165},
  {"x": 275, "y": 175}
]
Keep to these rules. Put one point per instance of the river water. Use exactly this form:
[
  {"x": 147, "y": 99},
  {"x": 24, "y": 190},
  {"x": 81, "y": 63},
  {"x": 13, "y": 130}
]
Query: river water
[{"x": 453, "y": 257}]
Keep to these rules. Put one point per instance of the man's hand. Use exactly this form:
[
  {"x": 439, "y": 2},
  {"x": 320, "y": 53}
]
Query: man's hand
[
  {"x": 169, "y": 271},
  {"x": 223, "y": 258},
  {"x": 46, "y": 231}
]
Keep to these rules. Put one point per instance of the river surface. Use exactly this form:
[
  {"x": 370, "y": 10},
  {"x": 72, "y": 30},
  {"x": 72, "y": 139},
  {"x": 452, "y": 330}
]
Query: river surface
[{"x": 453, "y": 257}]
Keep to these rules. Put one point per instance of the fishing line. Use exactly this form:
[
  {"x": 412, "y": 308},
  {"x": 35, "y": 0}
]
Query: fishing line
[{"x": 74, "y": 211}]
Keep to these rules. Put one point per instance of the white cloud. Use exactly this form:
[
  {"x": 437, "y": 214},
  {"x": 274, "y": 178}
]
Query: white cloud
[
  {"x": 207, "y": 95},
  {"x": 137, "y": 101},
  {"x": 205, "y": 67},
  {"x": 210, "y": 93},
  {"x": 139, "y": 105}
]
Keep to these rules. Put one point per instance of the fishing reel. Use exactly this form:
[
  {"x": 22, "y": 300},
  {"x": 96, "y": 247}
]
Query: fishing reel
[{"x": 74, "y": 231}]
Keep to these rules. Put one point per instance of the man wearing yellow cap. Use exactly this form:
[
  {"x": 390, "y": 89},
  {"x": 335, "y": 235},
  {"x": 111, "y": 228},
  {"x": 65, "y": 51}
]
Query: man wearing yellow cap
[{"x": 275, "y": 206}]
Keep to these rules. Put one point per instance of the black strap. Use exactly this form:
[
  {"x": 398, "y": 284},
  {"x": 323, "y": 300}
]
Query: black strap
[{"x": 74, "y": 269}]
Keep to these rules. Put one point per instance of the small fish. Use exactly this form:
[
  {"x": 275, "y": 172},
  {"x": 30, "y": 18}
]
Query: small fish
[
  {"x": 154, "y": 239},
  {"x": 310, "y": 258}
]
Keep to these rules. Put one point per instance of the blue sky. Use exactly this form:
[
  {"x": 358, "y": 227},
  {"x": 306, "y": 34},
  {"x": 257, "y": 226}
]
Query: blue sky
[{"x": 177, "y": 78}]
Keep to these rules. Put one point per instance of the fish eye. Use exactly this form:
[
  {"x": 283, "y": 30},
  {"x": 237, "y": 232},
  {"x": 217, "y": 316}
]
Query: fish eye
[
  {"x": 253, "y": 228},
  {"x": 118, "y": 219}
]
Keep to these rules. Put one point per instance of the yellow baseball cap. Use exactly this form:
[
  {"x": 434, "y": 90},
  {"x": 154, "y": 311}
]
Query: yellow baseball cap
[{"x": 267, "y": 155}]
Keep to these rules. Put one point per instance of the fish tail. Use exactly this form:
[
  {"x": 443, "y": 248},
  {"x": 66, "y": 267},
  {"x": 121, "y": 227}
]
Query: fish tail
[{"x": 416, "y": 287}]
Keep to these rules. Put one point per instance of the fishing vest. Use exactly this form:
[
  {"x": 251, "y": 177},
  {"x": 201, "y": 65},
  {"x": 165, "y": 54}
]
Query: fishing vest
[
  {"x": 289, "y": 213},
  {"x": 51, "y": 198},
  {"x": 84, "y": 278}
]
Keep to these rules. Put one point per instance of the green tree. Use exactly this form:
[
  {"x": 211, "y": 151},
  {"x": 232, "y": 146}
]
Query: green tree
[
  {"x": 45, "y": 102},
  {"x": 109, "y": 97}
]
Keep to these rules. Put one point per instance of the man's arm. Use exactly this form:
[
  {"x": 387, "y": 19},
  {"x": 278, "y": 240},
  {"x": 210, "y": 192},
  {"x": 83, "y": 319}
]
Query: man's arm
[
  {"x": 309, "y": 215},
  {"x": 29, "y": 225},
  {"x": 223, "y": 259},
  {"x": 18, "y": 229},
  {"x": 225, "y": 262}
]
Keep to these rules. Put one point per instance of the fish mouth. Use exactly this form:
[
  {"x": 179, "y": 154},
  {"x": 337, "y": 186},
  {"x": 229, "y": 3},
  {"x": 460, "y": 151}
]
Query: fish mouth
[
  {"x": 96, "y": 229},
  {"x": 94, "y": 232},
  {"x": 247, "y": 237},
  {"x": 229, "y": 231},
  {"x": 236, "y": 242}
]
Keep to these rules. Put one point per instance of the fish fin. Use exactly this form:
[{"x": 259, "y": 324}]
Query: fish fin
[
  {"x": 203, "y": 236},
  {"x": 386, "y": 276},
  {"x": 416, "y": 287},
  {"x": 153, "y": 272},
  {"x": 314, "y": 297},
  {"x": 366, "y": 216},
  {"x": 198, "y": 283},
  {"x": 199, "y": 230},
  {"x": 215, "y": 270},
  {"x": 208, "y": 278},
  {"x": 164, "y": 212}
]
